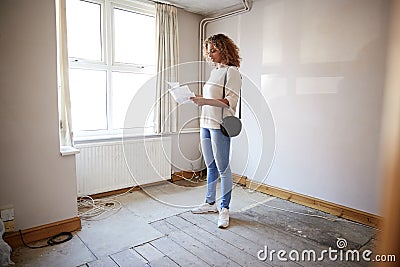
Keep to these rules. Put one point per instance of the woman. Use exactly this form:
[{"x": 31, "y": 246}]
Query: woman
[{"x": 224, "y": 55}]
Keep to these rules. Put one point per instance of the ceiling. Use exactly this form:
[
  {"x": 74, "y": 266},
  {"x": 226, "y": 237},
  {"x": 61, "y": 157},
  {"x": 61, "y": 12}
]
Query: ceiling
[{"x": 207, "y": 7}]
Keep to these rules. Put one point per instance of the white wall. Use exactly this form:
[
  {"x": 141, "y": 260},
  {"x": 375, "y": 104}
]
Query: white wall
[
  {"x": 185, "y": 156},
  {"x": 319, "y": 66},
  {"x": 35, "y": 179}
]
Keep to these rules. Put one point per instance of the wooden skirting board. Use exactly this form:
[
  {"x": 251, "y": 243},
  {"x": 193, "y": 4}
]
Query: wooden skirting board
[
  {"x": 115, "y": 192},
  {"x": 42, "y": 232},
  {"x": 239, "y": 179},
  {"x": 312, "y": 202},
  {"x": 127, "y": 189}
]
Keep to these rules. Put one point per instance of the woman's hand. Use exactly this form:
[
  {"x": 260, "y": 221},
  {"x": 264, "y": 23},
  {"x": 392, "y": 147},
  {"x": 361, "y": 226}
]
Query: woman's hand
[{"x": 199, "y": 100}]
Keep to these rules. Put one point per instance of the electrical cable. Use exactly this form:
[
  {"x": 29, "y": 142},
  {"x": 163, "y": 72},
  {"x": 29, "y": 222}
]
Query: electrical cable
[
  {"x": 195, "y": 178},
  {"x": 54, "y": 240},
  {"x": 91, "y": 209},
  {"x": 96, "y": 209}
]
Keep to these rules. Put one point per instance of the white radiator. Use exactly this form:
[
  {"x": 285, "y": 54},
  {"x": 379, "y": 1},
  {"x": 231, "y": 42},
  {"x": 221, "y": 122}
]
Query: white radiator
[{"x": 107, "y": 166}]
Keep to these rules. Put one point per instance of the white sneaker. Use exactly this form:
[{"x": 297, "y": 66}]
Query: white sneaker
[
  {"x": 204, "y": 208},
  {"x": 223, "y": 220}
]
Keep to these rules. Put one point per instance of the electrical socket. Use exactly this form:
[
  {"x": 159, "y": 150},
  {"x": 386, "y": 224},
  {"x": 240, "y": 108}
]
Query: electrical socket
[
  {"x": 7, "y": 213},
  {"x": 7, "y": 216},
  {"x": 9, "y": 226}
]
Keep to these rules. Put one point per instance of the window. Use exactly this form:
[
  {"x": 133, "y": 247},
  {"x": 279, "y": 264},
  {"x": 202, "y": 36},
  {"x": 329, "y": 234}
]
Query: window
[{"x": 112, "y": 53}]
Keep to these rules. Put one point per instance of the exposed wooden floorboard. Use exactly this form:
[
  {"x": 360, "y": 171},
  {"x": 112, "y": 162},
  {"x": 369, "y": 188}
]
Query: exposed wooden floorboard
[
  {"x": 206, "y": 254},
  {"x": 245, "y": 245},
  {"x": 233, "y": 253},
  {"x": 322, "y": 231},
  {"x": 129, "y": 257},
  {"x": 275, "y": 238},
  {"x": 264, "y": 235},
  {"x": 196, "y": 238},
  {"x": 232, "y": 238},
  {"x": 149, "y": 252},
  {"x": 177, "y": 253},
  {"x": 163, "y": 262},
  {"x": 180, "y": 238}
]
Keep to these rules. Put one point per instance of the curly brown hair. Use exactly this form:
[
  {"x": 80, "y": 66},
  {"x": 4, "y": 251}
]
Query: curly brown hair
[{"x": 228, "y": 49}]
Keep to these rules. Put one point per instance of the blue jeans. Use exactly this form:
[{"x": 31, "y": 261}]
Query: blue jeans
[{"x": 215, "y": 147}]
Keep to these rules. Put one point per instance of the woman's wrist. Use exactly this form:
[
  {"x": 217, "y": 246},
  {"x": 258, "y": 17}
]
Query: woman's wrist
[{"x": 216, "y": 102}]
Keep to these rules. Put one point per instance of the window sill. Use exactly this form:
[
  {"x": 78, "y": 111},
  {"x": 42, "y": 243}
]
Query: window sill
[
  {"x": 111, "y": 138},
  {"x": 118, "y": 137},
  {"x": 68, "y": 151}
]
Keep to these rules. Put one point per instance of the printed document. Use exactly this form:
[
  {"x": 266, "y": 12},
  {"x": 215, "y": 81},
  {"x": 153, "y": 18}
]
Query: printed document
[{"x": 180, "y": 94}]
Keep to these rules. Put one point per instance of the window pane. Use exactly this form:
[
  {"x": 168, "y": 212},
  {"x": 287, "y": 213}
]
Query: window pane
[
  {"x": 84, "y": 30},
  {"x": 124, "y": 88},
  {"x": 134, "y": 38},
  {"x": 88, "y": 99}
]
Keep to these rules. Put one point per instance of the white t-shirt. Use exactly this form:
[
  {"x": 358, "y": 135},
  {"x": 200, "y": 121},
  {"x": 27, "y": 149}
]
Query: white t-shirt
[{"x": 211, "y": 116}]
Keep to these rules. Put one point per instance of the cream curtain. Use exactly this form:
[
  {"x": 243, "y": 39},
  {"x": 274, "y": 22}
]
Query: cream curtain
[
  {"x": 167, "y": 47},
  {"x": 64, "y": 103}
]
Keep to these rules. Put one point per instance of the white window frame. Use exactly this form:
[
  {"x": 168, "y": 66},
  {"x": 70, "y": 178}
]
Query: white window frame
[{"x": 108, "y": 64}]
